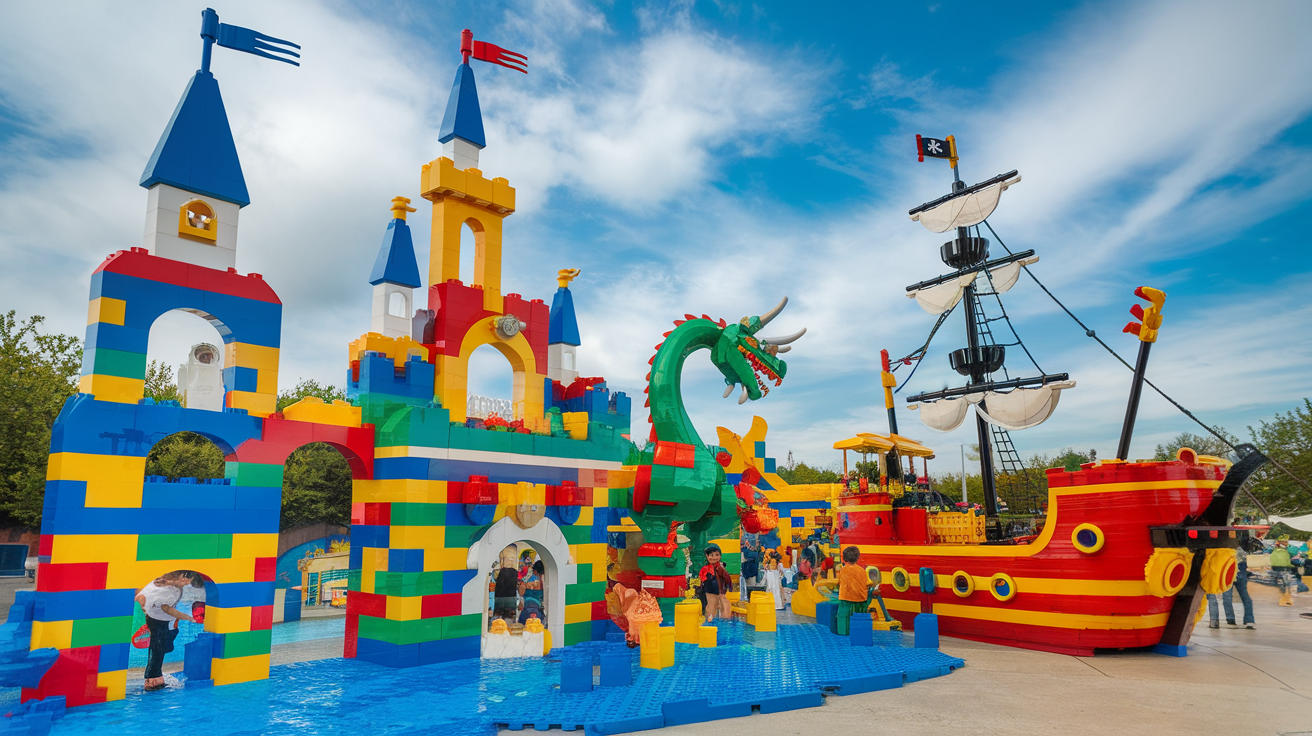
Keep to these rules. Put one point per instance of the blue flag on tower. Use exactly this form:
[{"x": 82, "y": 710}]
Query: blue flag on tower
[{"x": 242, "y": 39}]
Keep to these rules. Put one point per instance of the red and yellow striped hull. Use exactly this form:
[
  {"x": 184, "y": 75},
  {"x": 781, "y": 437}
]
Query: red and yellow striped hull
[{"x": 1065, "y": 599}]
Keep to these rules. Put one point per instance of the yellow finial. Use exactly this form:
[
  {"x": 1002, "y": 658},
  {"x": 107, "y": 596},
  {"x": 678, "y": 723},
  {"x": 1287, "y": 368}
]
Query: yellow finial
[
  {"x": 400, "y": 206},
  {"x": 566, "y": 275}
]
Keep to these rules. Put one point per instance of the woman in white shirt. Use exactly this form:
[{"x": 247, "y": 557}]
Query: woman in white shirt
[{"x": 158, "y": 599}]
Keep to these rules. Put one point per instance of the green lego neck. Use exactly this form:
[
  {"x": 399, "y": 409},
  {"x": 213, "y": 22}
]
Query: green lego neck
[{"x": 669, "y": 418}]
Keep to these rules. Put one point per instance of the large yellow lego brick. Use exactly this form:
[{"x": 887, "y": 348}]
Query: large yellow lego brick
[
  {"x": 94, "y": 548},
  {"x": 115, "y": 684},
  {"x": 503, "y": 195},
  {"x": 622, "y": 478},
  {"x": 728, "y": 546},
  {"x": 132, "y": 573},
  {"x": 245, "y": 355},
  {"x": 399, "y": 349},
  {"x": 254, "y": 545},
  {"x": 578, "y": 613},
  {"x": 398, "y": 490},
  {"x": 240, "y": 669},
  {"x": 445, "y": 559},
  {"x": 478, "y": 188},
  {"x": 107, "y": 310},
  {"x": 585, "y": 516},
  {"x": 113, "y": 388},
  {"x": 372, "y": 560},
  {"x": 227, "y": 620},
  {"x": 257, "y": 404},
  {"x": 600, "y": 497},
  {"x": 113, "y": 481},
  {"x": 266, "y": 381},
  {"x": 418, "y": 537},
  {"x": 314, "y": 409},
  {"x": 404, "y": 608},
  {"x": 592, "y": 553},
  {"x": 57, "y": 634}
]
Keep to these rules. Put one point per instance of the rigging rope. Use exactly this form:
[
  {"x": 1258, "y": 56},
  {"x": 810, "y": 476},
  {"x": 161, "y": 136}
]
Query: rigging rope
[
  {"x": 919, "y": 353},
  {"x": 1176, "y": 404}
]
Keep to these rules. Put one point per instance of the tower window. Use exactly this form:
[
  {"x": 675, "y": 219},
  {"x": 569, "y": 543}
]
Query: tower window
[
  {"x": 396, "y": 304},
  {"x": 196, "y": 220}
]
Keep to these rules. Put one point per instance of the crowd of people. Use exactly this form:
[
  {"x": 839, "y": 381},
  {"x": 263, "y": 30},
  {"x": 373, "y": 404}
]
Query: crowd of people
[{"x": 515, "y": 591}]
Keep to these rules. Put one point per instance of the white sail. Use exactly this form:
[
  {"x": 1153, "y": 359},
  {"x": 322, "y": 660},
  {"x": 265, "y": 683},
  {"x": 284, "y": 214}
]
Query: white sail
[
  {"x": 1017, "y": 409},
  {"x": 964, "y": 211},
  {"x": 946, "y": 415},
  {"x": 1022, "y": 408},
  {"x": 942, "y": 297}
]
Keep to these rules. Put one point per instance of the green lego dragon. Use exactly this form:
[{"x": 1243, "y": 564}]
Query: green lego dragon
[{"x": 681, "y": 480}]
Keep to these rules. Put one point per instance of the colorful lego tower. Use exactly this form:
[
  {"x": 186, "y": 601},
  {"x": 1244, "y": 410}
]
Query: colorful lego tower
[
  {"x": 467, "y": 316},
  {"x": 563, "y": 341},
  {"x": 395, "y": 276}
]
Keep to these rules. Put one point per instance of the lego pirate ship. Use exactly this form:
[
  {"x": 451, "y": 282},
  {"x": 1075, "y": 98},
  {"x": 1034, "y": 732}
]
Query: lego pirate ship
[{"x": 1120, "y": 553}]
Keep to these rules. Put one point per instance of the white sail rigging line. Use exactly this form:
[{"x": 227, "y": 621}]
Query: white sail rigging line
[
  {"x": 964, "y": 211},
  {"x": 940, "y": 298},
  {"x": 1017, "y": 409}
]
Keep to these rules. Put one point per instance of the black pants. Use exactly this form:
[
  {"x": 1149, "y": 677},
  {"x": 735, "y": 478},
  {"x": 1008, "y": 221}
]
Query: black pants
[{"x": 161, "y": 641}]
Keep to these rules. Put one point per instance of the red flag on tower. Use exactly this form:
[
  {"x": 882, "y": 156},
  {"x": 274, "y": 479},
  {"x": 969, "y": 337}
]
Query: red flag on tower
[{"x": 491, "y": 53}]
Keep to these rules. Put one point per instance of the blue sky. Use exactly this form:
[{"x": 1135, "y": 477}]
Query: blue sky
[{"x": 713, "y": 157}]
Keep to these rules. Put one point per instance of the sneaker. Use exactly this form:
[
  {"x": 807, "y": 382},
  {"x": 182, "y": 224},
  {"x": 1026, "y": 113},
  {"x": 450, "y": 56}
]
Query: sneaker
[
  {"x": 1250, "y": 626},
  {"x": 1231, "y": 625},
  {"x": 1214, "y": 626}
]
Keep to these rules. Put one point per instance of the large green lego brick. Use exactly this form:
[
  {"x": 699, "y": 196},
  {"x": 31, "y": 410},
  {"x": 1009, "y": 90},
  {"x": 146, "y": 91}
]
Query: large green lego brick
[
  {"x": 259, "y": 475},
  {"x": 460, "y": 537},
  {"x": 108, "y": 362},
  {"x": 93, "y": 632},
  {"x": 618, "y": 498},
  {"x": 584, "y": 592},
  {"x": 353, "y": 580},
  {"x": 576, "y": 534},
  {"x": 430, "y": 426},
  {"x": 458, "y": 436},
  {"x": 247, "y": 643},
  {"x": 407, "y": 584},
  {"x": 418, "y": 514},
  {"x": 455, "y": 627},
  {"x": 579, "y": 632},
  {"x": 584, "y": 572},
  {"x": 184, "y": 546},
  {"x": 401, "y": 632},
  {"x": 733, "y": 562},
  {"x": 522, "y": 443}
]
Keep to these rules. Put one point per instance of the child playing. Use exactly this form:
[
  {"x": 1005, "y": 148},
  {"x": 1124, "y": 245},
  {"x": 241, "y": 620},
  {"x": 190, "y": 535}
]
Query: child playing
[
  {"x": 853, "y": 589},
  {"x": 716, "y": 583}
]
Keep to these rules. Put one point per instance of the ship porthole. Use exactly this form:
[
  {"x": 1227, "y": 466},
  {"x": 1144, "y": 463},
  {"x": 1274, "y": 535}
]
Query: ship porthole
[
  {"x": 1087, "y": 538},
  {"x": 1002, "y": 586},
  {"x": 962, "y": 584},
  {"x": 901, "y": 580}
]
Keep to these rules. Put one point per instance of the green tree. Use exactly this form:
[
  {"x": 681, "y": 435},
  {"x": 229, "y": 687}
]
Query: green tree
[
  {"x": 38, "y": 372},
  {"x": 1201, "y": 444},
  {"x": 308, "y": 387},
  {"x": 868, "y": 469},
  {"x": 1286, "y": 439},
  {"x": 803, "y": 474},
  {"x": 160, "y": 385},
  {"x": 316, "y": 487},
  {"x": 185, "y": 455}
]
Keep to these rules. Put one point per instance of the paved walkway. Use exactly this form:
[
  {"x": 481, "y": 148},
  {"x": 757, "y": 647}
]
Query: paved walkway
[{"x": 1258, "y": 683}]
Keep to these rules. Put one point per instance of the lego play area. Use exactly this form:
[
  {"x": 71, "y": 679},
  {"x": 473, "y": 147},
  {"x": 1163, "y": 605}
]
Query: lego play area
[{"x": 575, "y": 556}]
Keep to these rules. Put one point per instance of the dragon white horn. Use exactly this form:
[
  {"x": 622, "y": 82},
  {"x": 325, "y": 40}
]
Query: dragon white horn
[
  {"x": 765, "y": 318},
  {"x": 785, "y": 339}
]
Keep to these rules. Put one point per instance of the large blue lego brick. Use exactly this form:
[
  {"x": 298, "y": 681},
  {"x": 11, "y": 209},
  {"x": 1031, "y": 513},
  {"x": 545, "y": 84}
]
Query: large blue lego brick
[
  {"x": 454, "y": 580},
  {"x": 460, "y": 470},
  {"x": 79, "y": 604},
  {"x": 93, "y": 427},
  {"x": 370, "y": 535},
  {"x": 448, "y": 650},
  {"x": 405, "y": 560},
  {"x": 378, "y": 375},
  {"x": 386, "y": 653},
  {"x": 390, "y": 468},
  {"x": 240, "y": 595},
  {"x": 113, "y": 657},
  {"x": 863, "y": 684},
  {"x": 158, "y": 493},
  {"x": 699, "y": 710},
  {"x": 238, "y": 378},
  {"x": 63, "y": 520},
  {"x": 65, "y": 493}
]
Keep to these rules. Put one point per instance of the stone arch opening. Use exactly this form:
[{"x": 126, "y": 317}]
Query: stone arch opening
[
  {"x": 185, "y": 359},
  {"x": 546, "y": 539}
]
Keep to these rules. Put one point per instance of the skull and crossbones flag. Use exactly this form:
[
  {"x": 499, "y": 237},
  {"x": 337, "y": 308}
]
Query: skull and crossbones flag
[{"x": 936, "y": 148}]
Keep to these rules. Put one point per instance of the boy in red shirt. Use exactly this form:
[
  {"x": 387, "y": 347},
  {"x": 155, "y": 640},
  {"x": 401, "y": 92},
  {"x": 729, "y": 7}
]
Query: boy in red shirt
[{"x": 716, "y": 582}]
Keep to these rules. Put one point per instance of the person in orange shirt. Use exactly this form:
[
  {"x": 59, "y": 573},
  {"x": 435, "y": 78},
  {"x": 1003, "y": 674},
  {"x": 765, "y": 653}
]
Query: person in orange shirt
[{"x": 853, "y": 589}]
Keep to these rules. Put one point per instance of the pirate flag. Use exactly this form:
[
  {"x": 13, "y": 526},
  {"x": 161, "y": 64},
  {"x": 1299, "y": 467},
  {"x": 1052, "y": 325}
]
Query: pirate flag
[{"x": 936, "y": 148}]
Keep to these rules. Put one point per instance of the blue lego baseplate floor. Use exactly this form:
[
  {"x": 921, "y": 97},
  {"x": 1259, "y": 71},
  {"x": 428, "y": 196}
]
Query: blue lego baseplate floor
[{"x": 792, "y": 668}]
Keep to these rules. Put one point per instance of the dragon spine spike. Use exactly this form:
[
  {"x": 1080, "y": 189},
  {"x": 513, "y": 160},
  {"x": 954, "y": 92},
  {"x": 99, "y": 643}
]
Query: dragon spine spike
[
  {"x": 687, "y": 317},
  {"x": 666, "y": 335}
]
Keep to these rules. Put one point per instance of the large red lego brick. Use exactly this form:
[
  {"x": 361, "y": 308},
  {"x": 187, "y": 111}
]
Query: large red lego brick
[{"x": 71, "y": 576}]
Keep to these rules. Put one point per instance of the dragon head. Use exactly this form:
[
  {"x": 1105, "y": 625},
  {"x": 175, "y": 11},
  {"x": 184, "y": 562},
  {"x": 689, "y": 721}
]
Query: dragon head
[{"x": 751, "y": 361}]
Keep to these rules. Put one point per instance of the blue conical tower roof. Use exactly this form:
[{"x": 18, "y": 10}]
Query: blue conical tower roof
[
  {"x": 396, "y": 262},
  {"x": 463, "y": 118},
  {"x": 196, "y": 152},
  {"x": 563, "y": 327}
]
